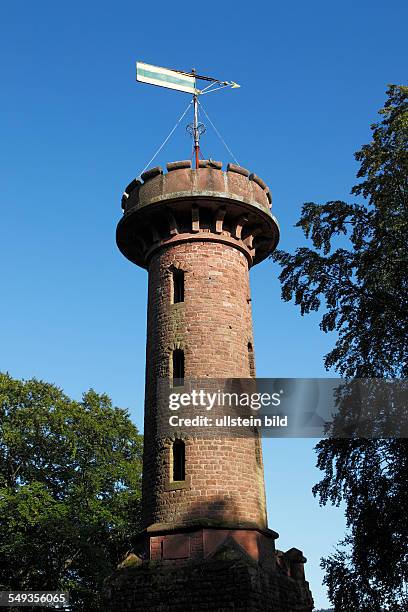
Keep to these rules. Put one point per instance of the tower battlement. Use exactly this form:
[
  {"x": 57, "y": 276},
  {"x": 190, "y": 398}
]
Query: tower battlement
[{"x": 232, "y": 207}]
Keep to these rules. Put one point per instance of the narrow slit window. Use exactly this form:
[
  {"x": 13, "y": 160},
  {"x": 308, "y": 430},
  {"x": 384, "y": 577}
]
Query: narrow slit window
[
  {"x": 178, "y": 286},
  {"x": 178, "y": 368},
  {"x": 258, "y": 449},
  {"x": 179, "y": 461},
  {"x": 251, "y": 360}
]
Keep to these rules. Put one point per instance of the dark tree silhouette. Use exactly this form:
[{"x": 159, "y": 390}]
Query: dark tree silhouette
[{"x": 357, "y": 269}]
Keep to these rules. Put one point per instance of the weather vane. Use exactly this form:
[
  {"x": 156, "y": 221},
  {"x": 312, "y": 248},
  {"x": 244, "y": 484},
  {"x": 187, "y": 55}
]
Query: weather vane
[{"x": 186, "y": 82}]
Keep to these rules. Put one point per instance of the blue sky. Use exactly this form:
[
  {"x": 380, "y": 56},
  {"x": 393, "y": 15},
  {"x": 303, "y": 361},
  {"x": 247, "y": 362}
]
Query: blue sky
[{"x": 76, "y": 128}]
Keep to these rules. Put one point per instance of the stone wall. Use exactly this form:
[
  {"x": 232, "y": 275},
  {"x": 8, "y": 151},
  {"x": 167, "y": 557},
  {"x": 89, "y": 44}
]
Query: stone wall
[
  {"x": 213, "y": 326},
  {"x": 221, "y": 584}
]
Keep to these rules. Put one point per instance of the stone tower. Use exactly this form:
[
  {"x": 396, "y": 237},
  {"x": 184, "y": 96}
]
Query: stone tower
[{"x": 198, "y": 232}]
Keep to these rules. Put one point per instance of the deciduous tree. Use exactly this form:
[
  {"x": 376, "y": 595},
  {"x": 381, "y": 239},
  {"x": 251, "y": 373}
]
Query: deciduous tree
[{"x": 70, "y": 477}]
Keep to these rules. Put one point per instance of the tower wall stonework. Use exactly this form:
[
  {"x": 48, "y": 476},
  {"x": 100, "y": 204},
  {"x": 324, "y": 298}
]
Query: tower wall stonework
[
  {"x": 214, "y": 322},
  {"x": 213, "y": 326},
  {"x": 212, "y": 226}
]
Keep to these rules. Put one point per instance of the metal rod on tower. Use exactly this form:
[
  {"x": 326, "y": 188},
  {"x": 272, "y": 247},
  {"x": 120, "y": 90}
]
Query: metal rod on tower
[{"x": 196, "y": 131}]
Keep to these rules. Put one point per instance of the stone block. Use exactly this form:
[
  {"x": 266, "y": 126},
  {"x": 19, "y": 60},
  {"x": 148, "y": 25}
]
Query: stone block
[
  {"x": 178, "y": 165},
  {"x": 151, "y": 173},
  {"x": 237, "y": 169},
  {"x": 258, "y": 180}
]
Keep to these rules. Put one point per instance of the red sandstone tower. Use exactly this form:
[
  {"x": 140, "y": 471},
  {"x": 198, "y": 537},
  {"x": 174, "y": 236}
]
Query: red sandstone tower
[{"x": 198, "y": 232}]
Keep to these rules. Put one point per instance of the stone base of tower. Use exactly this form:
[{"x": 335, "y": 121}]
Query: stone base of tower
[
  {"x": 236, "y": 574},
  {"x": 216, "y": 585}
]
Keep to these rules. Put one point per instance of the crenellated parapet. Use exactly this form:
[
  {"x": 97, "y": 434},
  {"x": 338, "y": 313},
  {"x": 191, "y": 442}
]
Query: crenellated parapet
[{"x": 204, "y": 204}]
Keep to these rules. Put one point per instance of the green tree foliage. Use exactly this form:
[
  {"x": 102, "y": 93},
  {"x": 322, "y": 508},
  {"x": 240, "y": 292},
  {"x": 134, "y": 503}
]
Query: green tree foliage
[
  {"x": 70, "y": 476},
  {"x": 357, "y": 270}
]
